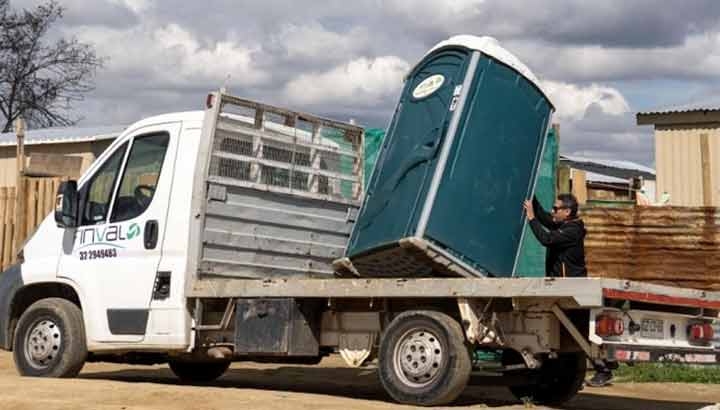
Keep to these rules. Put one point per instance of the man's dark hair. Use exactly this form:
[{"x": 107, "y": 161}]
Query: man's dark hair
[{"x": 570, "y": 202}]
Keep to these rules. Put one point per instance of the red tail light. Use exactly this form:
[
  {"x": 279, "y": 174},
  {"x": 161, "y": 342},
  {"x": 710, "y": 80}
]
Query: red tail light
[
  {"x": 702, "y": 332},
  {"x": 210, "y": 101},
  {"x": 609, "y": 326}
]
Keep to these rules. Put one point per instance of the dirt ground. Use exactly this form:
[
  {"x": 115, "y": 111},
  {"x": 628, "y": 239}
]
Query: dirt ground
[{"x": 263, "y": 387}]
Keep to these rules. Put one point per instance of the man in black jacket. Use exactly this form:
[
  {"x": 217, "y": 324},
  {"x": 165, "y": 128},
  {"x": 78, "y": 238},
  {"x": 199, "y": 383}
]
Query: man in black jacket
[
  {"x": 564, "y": 237},
  {"x": 563, "y": 234}
]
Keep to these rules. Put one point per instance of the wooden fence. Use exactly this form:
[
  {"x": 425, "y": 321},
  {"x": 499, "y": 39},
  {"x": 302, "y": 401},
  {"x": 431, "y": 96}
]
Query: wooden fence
[
  {"x": 675, "y": 246},
  {"x": 39, "y": 201}
]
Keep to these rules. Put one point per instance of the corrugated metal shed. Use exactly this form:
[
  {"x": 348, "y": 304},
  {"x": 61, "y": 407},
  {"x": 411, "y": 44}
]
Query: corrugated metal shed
[
  {"x": 63, "y": 135},
  {"x": 687, "y": 153},
  {"x": 676, "y": 246}
]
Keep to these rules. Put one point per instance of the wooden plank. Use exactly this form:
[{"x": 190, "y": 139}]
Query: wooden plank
[
  {"x": 54, "y": 165},
  {"x": 40, "y": 204},
  {"x": 20, "y": 214},
  {"x": 706, "y": 172},
  {"x": 54, "y": 190},
  {"x": 579, "y": 186},
  {"x": 3, "y": 210},
  {"x": 563, "y": 179},
  {"x": 19, "y": 222},
  {"x": 48, "y": 197},
  {"x": 9, "y": 238},
  {"x": 30, "y": 190}
]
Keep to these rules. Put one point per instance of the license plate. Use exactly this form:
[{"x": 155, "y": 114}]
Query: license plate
[{"x": 652, "y": 328}]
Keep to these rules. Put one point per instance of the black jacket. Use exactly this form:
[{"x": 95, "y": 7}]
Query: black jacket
[{"x": 564, "y": 242}]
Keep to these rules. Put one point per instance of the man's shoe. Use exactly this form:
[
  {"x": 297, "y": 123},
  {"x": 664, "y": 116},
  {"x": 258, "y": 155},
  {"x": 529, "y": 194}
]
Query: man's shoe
[{"x": 600, "y": 379}]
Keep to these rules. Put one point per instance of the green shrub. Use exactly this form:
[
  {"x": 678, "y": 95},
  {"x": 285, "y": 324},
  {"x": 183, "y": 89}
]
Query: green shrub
[{"x": 667, "y": 373}]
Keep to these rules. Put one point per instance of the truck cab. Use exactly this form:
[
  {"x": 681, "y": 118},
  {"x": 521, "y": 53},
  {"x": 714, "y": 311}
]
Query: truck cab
[{"x": 124, "y": 251}]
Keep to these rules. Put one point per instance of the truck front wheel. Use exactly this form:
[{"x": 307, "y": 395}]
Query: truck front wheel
[
  {"x": 50, "y": 339},
  {"x": 195, "y": 372},
  {"x": 423, "y": 359}
]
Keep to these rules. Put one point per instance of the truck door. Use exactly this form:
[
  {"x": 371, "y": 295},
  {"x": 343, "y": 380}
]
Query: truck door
[{"x": 114, "y": 253}]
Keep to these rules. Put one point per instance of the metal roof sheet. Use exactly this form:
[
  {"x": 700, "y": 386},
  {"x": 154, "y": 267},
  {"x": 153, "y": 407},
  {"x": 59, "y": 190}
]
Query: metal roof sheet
[
  {"x": 595, "y": 177},
  {"x": 620, "y": 164},
  {"x": 63, "y": 135},
  {"x": 711, "y": 104},
  {"x": 609, "y": 168}
]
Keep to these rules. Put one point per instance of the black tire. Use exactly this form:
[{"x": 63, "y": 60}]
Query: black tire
[
  {"x": 198, "y": 372},
  {"x": 559, "y": 380},
  {"x": 50, "y": 339},
  {"x": 448, "y": 366}
]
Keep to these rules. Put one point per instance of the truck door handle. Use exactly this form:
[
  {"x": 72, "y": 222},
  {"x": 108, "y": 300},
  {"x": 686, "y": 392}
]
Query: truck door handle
[{"x": 151, "y": 234}]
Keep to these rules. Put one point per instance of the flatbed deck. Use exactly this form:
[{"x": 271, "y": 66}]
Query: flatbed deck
[{"x": 569, "y": 292}]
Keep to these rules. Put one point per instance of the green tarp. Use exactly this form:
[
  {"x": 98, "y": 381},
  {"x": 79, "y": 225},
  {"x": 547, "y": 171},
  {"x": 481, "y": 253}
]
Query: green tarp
[
  {"x": 373, "y": 142},
  {"x": 532, "y": 255}
]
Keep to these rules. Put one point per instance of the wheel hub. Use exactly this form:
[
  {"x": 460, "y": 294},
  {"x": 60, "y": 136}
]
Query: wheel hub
[
  {"x": 418, "y": 357},
  {"x": 43, "y": 343}
]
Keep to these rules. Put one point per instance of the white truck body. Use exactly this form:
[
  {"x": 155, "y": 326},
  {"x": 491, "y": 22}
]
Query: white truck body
[{"x": 146, "y": 285}]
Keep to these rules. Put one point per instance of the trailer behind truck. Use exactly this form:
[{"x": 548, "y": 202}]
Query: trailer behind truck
[{"x": 202, "y": 238}]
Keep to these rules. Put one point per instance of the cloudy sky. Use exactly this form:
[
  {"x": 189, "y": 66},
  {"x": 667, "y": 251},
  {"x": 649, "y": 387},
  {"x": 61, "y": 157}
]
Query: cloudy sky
[{"x": 600, "y": 61}]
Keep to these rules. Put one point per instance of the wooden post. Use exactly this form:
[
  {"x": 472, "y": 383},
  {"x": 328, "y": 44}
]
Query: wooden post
[
  {"x": 8, "y": 237},
  {"x": 706, "y": 173},
  {"x": 563, "y": 179},
  {"x": 19, "y": 237},
  {"x": 3, "y": 210},
  {"x": 579, "y": 186},
  {"x": 30, "y": 206}
]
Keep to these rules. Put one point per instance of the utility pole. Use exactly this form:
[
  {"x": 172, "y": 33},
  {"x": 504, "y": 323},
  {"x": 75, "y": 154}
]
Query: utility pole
[{"x": 20, "y": 186}]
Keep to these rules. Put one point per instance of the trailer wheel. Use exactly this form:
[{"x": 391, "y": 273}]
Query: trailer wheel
[
  {"x": 423, "y": 359},
  {"x": 195, "y": 372},
  {"x": 560, "y": 380},
  {"x": 50, "y": 339}
]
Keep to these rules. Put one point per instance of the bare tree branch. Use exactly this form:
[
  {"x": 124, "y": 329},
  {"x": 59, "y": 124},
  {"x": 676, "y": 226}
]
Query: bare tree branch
[{"x": 38, "y": 79}]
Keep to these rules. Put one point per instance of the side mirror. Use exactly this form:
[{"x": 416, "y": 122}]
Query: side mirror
[{"x": 66, "y": 205}]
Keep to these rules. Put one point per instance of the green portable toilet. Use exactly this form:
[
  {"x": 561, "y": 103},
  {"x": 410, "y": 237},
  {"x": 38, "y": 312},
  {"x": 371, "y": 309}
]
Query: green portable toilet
[{"x": 460, "y": 155}]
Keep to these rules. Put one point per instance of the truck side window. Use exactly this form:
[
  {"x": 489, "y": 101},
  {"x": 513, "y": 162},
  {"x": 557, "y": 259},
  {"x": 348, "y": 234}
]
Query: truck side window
[
  {"x": 138, "y": 183},
  {"x": 98, "y": 192}
]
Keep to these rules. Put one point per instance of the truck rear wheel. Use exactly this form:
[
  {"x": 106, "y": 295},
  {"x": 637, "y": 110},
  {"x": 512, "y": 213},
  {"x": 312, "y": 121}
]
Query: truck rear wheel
[
  {"x": 423, "y": 359},
  {"x": 50, "y": 340},
  {"x": 198, "y": 371},
  {"x": 559, "y": 380}
]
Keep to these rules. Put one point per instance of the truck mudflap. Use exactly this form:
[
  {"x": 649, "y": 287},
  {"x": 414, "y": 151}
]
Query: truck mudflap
[{"x": 625, "y": 353}]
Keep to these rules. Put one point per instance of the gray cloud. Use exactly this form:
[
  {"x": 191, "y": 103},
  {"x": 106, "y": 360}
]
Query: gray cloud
[
  {"x": 614, "y": 23},
  {"x": 605, "y": 135},
  {"x": 166, "y": 55}
]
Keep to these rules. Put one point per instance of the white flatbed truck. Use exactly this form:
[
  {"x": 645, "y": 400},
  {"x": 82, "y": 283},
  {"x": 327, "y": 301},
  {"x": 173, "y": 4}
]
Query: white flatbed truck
[{"x": 202, "y": 238}]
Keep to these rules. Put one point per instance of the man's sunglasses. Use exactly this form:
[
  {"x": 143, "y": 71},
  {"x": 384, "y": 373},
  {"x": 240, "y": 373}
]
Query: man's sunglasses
[{"x": 557, "y": 208}]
